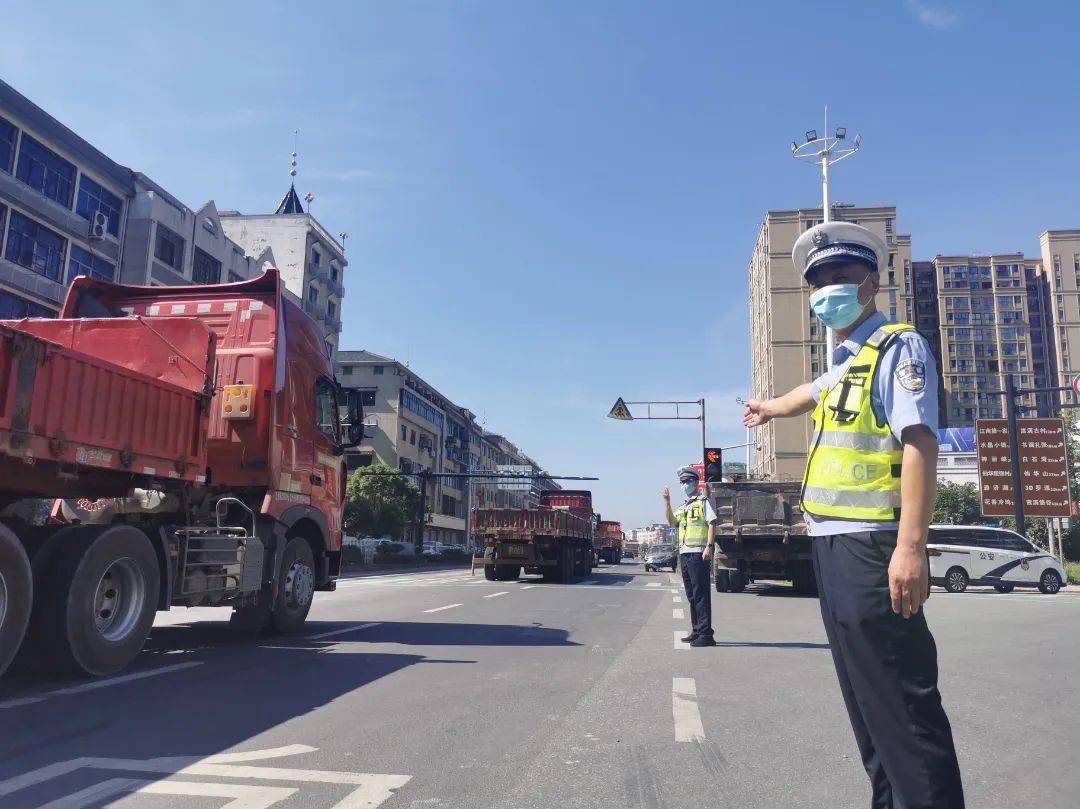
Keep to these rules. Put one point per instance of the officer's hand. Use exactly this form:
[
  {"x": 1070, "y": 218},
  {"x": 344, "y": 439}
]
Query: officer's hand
[
  {"x": 754, "y": 415},
  {"x": 909, "y": 583},
  {"x": 666, "y": 492},
  {"x": 706, "y": 554}
]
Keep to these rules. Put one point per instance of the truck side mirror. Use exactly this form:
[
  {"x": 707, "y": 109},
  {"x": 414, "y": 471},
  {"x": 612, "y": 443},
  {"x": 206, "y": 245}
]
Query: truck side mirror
[{"x": 354, "y": 422}]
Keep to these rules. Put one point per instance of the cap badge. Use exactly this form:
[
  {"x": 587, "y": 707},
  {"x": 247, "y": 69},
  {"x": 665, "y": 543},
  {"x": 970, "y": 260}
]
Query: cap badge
[{"x": 820, "y": 239}]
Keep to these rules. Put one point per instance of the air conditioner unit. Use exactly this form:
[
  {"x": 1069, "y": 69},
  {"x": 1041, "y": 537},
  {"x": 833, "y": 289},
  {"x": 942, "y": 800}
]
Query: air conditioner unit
[{"x": 99, "y": 225}]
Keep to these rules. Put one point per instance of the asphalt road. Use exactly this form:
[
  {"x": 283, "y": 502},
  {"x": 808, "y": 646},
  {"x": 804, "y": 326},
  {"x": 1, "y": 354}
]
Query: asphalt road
[{"x": 436, "y": 690}]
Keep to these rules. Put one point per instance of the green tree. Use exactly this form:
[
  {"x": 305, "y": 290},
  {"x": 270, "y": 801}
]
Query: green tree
[
  {"x": 957, "y": 504},
  {"x": 379, "y": 500}
]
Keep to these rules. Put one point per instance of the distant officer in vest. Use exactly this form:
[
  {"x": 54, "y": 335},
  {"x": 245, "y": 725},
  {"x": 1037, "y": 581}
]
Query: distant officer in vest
[
  {"x": 695, "y": 520},
  {"x": 868, "y": 494}
]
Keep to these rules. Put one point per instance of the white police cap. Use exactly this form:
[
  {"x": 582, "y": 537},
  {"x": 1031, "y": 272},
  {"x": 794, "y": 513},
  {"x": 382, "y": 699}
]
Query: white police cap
[
  {"x": 686, "y": 472},
  {"x": 833, "y": 242}
]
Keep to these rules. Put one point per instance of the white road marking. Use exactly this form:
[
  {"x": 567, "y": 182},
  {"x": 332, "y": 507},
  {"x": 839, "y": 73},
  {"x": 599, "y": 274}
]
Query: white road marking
[
  {"x": 653, "y": 584},
  {"x": 95, "y": 684},
  {"x": 244, "y": 797},
  {"x": 678, "y": 640},
  {"x": 356, "y": 628},
  {"x": 528, "y": 586},
  {"x": 370, "y": 789},
  {"x": 684, "y": 709},
  {"x": 677, "y": 614},
  {"x": 676, "y": 599},
  {"x": 440, "y": 609},
  {"x": 496, "y": 595}
]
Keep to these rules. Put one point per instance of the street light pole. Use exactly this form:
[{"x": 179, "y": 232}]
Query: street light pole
[{"x": 826, "y": 150}]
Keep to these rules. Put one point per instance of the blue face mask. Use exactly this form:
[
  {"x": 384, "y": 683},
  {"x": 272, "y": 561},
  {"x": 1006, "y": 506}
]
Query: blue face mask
[
  {"x": 690, "y": 487},
  {"x": 837, "y": 305}
]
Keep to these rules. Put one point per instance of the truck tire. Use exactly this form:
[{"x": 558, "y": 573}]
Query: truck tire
[
  {"x": 507, "y": 572},
  {"x": 737, "y": 581},
  {"x": 723, "y": 581},
  {"x": 297, "y": 587},
  {"x": 16, "y": 595},
  {"x": 96, "y": 602}
]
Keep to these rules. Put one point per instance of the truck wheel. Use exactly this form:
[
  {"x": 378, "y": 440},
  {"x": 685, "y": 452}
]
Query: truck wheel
[
  {"x": 97, "y": 601},
  {"x": 507, "y": 572},
  {"x": 737, "y": 580},
  {"x": 723, "y": 581},
  {"x": 489, "y": 573},
  {"x": 297, "y": 587},
  {"x": 16, "y": 595}
]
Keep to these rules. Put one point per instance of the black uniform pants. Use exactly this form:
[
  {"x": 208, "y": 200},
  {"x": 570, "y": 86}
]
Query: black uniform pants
[
  {"x": 887, "y": 667},
  {"x": 695, "y": 576}
]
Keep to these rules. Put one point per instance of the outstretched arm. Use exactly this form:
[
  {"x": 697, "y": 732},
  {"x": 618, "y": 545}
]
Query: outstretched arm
[{"x": 793, "y": 403}]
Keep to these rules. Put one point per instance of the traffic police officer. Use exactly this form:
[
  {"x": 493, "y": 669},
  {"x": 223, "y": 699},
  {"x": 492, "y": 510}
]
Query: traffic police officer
[
  {"x": 695, "y": 520},
  {"x": 868, "y": 494}
]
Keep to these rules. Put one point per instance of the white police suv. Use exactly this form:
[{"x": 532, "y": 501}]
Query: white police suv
[{"x": 961, "y": 555}]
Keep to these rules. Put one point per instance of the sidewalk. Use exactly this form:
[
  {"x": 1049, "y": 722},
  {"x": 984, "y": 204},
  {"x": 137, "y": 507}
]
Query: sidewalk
[{"x": 383, "y": 570}]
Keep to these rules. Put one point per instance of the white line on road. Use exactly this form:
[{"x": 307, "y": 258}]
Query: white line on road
[
  {"x": 440, "y": 609},
  {"x": 356, "y": 628},
  {"x": 677, "y": 614},
  {"x": 684, "y": 708},
  {"x": 678, "y": 640},
  {"x": 528, "y": 586},
  {"x": 496, "y": 595},
  {"x": 653, "y": 584},
  {"x": 676, "y": 599},
  {"x": 91, "y": 686}
]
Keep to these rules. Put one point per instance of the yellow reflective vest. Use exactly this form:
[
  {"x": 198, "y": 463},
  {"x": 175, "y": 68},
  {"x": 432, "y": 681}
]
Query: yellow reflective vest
[
  {"x": 693, "y": 527},
  {"x": 853, "y": 468}
]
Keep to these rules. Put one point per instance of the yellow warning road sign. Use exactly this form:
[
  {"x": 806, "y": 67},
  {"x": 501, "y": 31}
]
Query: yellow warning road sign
[{"x": 620, "y": 411}]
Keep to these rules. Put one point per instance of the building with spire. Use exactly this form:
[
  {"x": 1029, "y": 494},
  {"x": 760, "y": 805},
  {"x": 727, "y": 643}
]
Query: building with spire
[{"x": 311, "y": 261}]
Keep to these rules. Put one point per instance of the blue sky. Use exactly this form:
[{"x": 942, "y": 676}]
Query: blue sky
[{"x": 553, "y": 204}]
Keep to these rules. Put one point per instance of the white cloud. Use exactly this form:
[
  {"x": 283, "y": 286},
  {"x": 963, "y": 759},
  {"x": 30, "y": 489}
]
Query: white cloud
[{"x": 936, "y": 17}]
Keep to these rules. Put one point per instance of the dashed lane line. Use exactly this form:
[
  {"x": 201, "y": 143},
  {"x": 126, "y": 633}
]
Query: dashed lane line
[
  {"x": 496, "y": 595},
  {"x": 677, "y": 614},
  {"x": 684, "y": 709},
  {"x": 96, "y": 684},
  {"x": 678, "y": 641},
  {"x": 356, "y": 628},
  {"x": 440, "y": 609}
]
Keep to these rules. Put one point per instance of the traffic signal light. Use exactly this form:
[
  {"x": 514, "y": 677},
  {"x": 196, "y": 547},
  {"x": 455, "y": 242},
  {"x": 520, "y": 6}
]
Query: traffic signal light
[{"x": 714, "y": 465}]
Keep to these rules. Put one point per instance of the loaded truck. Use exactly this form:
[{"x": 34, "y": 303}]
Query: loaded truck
[
  {"x": 554, "y": 539},
  {"x": 760, "y": 534},
  {"x": 164, "y": 447},
  {"x": 610, "y": 537}
]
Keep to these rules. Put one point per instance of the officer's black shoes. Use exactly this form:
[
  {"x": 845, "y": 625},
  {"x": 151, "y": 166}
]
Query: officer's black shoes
[
  {"x": 703, "y": 640},
  {"x": 690, "y": 638}
]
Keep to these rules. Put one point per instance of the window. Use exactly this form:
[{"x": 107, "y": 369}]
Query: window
[
  {"x": 367, "y": 396},
  {"x": 331, "y": 310},
  {"x": 93, "y": 198},
  {"x": 404, "y": 432},
  {"x": 378, "y": 370},
  {"x": 412, "y": 437},
  {"x": 346, "y": 370},
  {"x": 205, "y": 269},
  {"x": 83, "y": 262},
  {"x": 334, "y": 271},
  {"x": 45, "y": 171},
  {"x": 410, "y": 401},
  {"x": 35, "y": 247},
  {"x": 12, "y": 307},
  {"x": 326, "y": 409},
  {"x": 312, "y": 297},
  {"x": 169, "y": 248},
  {"x": 8, "y": 134},
  {"x": 315, "y": 257}
]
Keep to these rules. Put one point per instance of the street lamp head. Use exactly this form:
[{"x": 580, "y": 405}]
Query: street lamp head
[
  {"x": 794, "y": 147},
  {"x": 841, "y": 132},
  {"x": 811, "y": 135},
  {"x": 857, "y": 139}
]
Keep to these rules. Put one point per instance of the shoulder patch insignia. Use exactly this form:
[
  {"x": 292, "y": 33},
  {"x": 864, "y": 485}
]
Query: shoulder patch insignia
[{"x": 911, "y": 374}]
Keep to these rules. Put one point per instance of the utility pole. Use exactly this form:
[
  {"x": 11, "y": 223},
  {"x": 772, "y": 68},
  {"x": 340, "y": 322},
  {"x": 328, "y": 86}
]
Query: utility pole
[
  {"x": 826, "y": 150},
  {"x": 1014, "y": 451}
]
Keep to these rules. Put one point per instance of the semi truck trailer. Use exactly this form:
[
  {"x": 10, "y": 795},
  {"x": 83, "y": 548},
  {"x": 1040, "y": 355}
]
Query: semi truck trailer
[
  {"x": 554, "y": 539},
  {"x": 165, "y": 447},
  {"x": 610, "y": 536},
  {"x": 760, "y": 534}
]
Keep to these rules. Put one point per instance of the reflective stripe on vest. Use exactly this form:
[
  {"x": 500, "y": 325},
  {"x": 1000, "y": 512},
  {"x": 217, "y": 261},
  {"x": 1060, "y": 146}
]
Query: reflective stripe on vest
[
  {"x": 853, "y": 469},
  {"x": 693, "y": 527}
]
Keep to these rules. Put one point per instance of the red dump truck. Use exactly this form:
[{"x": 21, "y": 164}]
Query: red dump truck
[
  {"x": 555, "y": 539},
  {"x": 159, "y": 447},
  {"x": 610, "y": 537}
]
